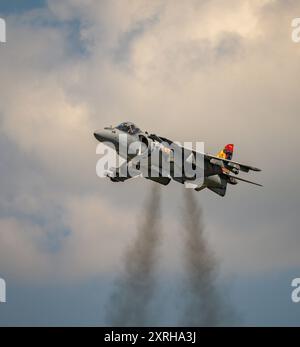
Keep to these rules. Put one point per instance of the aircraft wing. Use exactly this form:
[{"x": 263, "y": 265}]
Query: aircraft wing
[
  {"x": 242, "y": 179},
  {"x": 243, "y": 167}
]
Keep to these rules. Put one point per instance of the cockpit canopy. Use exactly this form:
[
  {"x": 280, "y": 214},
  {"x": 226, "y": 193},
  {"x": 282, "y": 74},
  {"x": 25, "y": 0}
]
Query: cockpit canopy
[{"x": 129, "y": 128}]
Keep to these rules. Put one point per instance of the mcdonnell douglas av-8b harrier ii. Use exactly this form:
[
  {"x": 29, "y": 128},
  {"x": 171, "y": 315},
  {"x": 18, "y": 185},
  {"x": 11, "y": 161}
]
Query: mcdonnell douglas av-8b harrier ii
[{"x": 162, "y": 160}]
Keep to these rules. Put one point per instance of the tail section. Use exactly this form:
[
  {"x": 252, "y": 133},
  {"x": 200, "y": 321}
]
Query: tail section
[{"x": 227, "y": 152}]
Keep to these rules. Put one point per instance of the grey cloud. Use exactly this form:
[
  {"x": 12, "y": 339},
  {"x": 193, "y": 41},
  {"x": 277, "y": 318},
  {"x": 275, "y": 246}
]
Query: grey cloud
[{"x": 195, "y": 74}]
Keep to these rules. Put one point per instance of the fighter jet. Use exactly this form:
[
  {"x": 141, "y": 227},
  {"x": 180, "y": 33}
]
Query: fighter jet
[{"x": 172, "y": 161}]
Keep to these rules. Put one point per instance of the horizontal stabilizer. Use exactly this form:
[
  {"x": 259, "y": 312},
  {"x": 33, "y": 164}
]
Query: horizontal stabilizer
[{"x": 242, "y": 179}]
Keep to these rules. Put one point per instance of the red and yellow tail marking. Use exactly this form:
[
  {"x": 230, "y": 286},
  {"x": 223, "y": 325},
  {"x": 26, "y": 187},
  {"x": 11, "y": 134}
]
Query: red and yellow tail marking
[{"x": 226, "y": 153}]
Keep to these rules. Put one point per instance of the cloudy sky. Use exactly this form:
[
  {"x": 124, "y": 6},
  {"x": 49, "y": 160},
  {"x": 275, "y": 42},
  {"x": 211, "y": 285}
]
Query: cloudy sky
[{"x": 196, "y": 70}]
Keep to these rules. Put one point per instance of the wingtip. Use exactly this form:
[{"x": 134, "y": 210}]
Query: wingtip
[{"x": 255, "y": 169}]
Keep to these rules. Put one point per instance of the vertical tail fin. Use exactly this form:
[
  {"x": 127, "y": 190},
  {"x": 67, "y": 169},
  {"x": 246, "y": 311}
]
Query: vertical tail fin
[{"x": 226, "y": 152}]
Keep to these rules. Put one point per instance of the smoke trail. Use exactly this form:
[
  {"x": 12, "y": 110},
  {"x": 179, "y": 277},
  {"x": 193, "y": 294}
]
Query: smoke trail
[
  {"x": 203, "y": 304},
  {"x": 134, "y": 289}
]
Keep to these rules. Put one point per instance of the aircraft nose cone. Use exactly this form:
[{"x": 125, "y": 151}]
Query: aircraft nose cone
[
  {"x": 100, "y": 135},
  {"x": 107, "y": 136}
]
